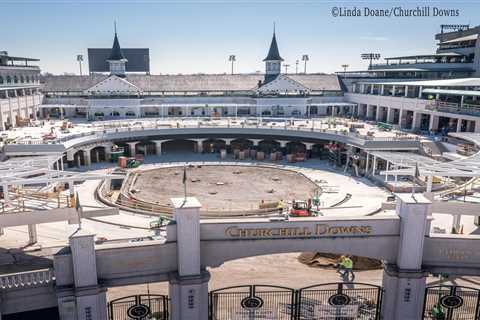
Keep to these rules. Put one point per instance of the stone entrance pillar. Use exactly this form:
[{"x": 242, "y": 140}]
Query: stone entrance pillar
[
  {"x": 188, "y": 288},
  {"x": 404, "y": 282},
  {"x": 83, "y": 299}
]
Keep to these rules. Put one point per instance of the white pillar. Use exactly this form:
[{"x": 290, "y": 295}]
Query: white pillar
[
  {"x": 32, "y": 234},
  {"x": 404, "y": 283},
  {"x": 366, "y": 164},
  {"x": 199, "y": 145},
  {"x": 86, "y": 157},
  {"x": 429, "y": 183},
  {"x": 433, "y": 125},
  {"x": 379, "y": 113},
  {"x": 6, "y": 196},
  {"x": 459, "y": 125},
  {"x": 131, "y": 148},
  {"x": 158, "y": 146},
  {"x": 374, "y": 165},
  {"x": 83, "y": 299},
  {"x": 255, "y": 142},
  {"x": 188, "y": 289}
]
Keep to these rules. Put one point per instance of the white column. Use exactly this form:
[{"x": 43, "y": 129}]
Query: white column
[
  {"x": 382, "y": 89},
  {"x": 158, "y": 146},
  {"x": 131, "y": 146},
  {"x": 199, "y": 145},
  {"x": 255, "y": 142},
  {"x": 86, "y": 157},
  {"x": 433, "y": 125},
  {"x": 429, "y": 183},
  {"x": 374, "y": 165},
  {"x": 420, "y": 90},
  {"x": 459, "y": 125},
  {"x": 78, "y": 294},
  {"x": 32, "y": 234},
  {"x": 188, "y": 289},
  {"x": 6, "y": 196},
  {"x": 379, "y": 113},
  {"x": 366, "y": 164},
  {"x": 406, "y": 91},
  {"x": 404, "y": 282}
]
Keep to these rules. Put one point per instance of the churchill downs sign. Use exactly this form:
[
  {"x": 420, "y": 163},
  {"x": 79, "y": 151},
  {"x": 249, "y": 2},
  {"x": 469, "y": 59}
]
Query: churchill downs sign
[{"x": 309, "y": 231}]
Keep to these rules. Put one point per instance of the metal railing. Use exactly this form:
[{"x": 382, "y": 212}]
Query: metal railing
[{"x": 27, "y": 279}]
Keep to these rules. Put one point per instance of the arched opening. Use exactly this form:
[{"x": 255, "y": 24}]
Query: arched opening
[
  {"x": 269, "y": 146},
  {"x": 115, "y": 114},
  {"x": 1, "y": 80},
  {"x": 241, "y": 144},
  {"x": 146, "y": 148},
  {"x": 296, "y": 147},
  {"x": 78, "y": 158},
  {"x": 178, "y": 146},
  {"x": 15, "y": 79},
  {"x": 9, "y": 79},
  {"x": 319, "y": 151},
  {"x": 98, "y": 154},
  {"x": 213, "y": 145},
  {"x": 130, "y": 114}
]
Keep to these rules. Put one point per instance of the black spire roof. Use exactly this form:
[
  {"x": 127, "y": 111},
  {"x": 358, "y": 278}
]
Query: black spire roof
[
  {"x": 273, "y": 53},
  {"x": 116, "y": 53}
]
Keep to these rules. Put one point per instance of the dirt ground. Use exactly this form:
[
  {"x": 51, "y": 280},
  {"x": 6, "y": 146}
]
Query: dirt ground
[
  {"x": 277, "y": 269},
  {"x": 224, "y": 187}
]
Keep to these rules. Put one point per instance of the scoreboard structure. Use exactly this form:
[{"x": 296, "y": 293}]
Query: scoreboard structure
[{"x": 138, "y": 59}]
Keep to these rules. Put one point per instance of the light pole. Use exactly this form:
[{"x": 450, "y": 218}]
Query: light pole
[
  {"x": 232, "y": 59},
  {"x": 345, "y": 66},
  {"x": 305, "y": 59},
  {"x": 80, "y": 59},
  {"x": 370, "y": 56},
  {"x": 296, "y": 67},
  {"x": 286, "y": 68}
]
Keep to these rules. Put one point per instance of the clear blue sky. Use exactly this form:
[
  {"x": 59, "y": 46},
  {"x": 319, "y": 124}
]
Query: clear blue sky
[{"x": 198, "y": 36}]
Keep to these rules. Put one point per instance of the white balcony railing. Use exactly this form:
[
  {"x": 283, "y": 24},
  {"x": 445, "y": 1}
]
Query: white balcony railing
[{"x": 27, "y": 279}]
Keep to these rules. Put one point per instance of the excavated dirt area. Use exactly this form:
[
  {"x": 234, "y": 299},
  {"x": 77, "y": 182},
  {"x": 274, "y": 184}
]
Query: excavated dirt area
[{"x": 223, "y": 187}]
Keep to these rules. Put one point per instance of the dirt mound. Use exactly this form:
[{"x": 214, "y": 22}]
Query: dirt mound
[{"x": 329, "y": 260}]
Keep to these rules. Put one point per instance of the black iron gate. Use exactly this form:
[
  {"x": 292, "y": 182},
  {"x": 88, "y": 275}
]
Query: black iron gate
[
  {"x": 139, "y": 307},
  {"x": 339, "y": 301},
  {"x": 252, "y": 302},
  {"x": 451, "y": 303}
]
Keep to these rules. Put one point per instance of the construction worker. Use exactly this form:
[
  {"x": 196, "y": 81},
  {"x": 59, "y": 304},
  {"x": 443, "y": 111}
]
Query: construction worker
[
  {"x": 348, "y": 269},
  {"x": 340, "y": 265}
]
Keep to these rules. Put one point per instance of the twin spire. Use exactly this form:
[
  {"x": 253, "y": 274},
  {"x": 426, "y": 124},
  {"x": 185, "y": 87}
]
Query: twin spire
[
  {"x": 116, "y": 53},
  {"x": 273, "y": 54}
]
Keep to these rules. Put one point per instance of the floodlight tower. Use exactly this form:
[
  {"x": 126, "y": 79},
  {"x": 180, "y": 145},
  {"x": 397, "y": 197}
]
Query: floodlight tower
[
  {"x": 305, "y": 58},
  {"x": 370, "y": 56},
  {"x": 345, "y": 66},
  {"x": 232, "y": 59},
  {"x": 80, "y": 60}
]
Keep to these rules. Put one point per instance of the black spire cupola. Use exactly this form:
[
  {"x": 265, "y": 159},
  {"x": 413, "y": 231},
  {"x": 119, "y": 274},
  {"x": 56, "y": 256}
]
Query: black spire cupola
[{"x": 117, "y": 60}]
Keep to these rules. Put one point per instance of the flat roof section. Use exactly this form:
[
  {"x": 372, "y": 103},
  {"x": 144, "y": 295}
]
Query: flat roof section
[{"x": 474, "y": 93}]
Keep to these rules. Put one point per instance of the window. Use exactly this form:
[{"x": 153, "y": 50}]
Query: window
[
  {"x": 1, "y": 80},
  {"x": 130, "y": 114},
  {"x": 15, "y": 79},
  {"x": 9, "y": 79}
]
